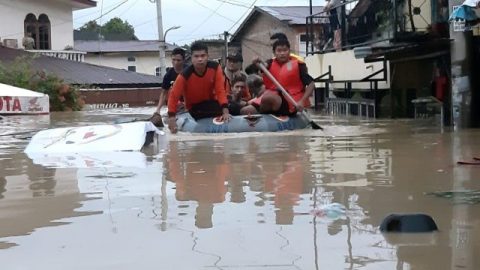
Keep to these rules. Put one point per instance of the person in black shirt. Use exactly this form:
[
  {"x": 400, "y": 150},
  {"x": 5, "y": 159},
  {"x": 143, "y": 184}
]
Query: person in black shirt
[{"x": 178, "y": 63}]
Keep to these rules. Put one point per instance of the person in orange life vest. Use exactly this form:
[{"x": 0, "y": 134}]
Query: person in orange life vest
[
  {"x": 239, "y": 86},
  {"x": 257, "y": 88},
  {"x": 178, "y": 63},
  {"x": 234, "y": 68},
  {"x": 292, "y": 75},
  {"x": 202, "y": 87}
]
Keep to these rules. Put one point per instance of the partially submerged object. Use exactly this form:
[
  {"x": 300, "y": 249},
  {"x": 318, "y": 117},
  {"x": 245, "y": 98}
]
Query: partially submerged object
[
  {"x": 408, "y": 223},
  {"x": 241, "y": 123},
  {"x": 90, "y": 139},
  {"x": 458, "y": 196},
  {"x": 15, "y": 100}
]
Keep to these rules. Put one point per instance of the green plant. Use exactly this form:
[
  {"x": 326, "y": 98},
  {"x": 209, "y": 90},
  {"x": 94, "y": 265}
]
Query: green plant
[{"x": 63, "y": 97}]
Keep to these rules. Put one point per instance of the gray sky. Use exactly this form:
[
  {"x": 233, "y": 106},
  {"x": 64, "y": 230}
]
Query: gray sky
[{"x": 197, "y": 18}]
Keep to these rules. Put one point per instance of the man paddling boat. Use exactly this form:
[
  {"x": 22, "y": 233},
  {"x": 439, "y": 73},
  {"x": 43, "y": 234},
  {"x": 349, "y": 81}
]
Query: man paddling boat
[{"x": 292, "y": 74}]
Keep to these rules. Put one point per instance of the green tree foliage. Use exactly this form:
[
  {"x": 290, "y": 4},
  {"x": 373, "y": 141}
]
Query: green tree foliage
[
  {"x": 91, "y": 26},
  {"x": 114, "y": 29},
  {"x": 63, "y": 97}
]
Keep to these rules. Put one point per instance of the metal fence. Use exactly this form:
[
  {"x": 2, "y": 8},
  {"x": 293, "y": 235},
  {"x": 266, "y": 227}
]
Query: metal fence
[
  {"x": 351, "y": 107},
  {"x": 429, "y": 108}
]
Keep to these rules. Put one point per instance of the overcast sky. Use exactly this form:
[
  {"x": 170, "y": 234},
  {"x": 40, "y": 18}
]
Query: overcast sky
[{"x": 197, "y": 18}]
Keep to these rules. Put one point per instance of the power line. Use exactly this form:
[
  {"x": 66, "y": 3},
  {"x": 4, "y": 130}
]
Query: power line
[
  {"x": 215, "y": 11},
  {"x": 233, "y": 3},
  {"x": 244, "y": 14},
  {"x": 206, "y": 19},
  {"x": 103, "y": 14}
]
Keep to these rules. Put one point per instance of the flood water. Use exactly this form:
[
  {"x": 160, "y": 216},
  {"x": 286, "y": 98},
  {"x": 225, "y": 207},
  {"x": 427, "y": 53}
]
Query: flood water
[{"x": 240, "y": 201}]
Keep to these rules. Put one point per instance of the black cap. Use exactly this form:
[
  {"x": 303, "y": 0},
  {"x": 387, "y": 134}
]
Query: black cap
[{"x": 235, "y": 57}]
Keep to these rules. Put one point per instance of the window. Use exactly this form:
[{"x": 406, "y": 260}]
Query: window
[
  {"x": 157, "y": 71},
  {"x": 132, "y": 68},
  {"x": 302, "y": 49},
  {"x": 131, "y": 59},
  {"x": 39, "y": 30}
]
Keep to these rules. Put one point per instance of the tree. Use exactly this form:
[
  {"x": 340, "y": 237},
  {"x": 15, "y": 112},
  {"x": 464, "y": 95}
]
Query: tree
[
  {"x": 114, "y": 29},
  {"x": 91, "y": 26}
]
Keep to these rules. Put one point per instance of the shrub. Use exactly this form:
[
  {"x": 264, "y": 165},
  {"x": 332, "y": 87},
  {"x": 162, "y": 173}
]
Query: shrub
[{"x": 63, "y": 97}]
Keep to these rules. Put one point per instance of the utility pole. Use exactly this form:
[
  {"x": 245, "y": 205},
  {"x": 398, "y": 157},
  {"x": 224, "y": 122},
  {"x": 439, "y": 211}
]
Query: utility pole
[
  {"x": 161, "y": 39},
  {"x": 225, "y": 36},
  {"x": 462, "y": 72}
]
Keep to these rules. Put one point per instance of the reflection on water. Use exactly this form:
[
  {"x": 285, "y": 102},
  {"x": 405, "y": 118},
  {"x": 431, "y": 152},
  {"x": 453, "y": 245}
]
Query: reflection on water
[{"x": 299, "y": 200}]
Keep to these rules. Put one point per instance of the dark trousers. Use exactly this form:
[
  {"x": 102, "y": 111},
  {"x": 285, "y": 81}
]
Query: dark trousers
[{"x": 206, "y": 109}]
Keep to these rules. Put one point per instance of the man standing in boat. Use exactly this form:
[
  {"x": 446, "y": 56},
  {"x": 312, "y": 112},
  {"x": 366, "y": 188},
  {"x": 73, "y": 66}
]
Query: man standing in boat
[
  {"x": 292, "y": 74},
  {"x": 202, "y": 86},
  {"x": 178, "y": 64}
]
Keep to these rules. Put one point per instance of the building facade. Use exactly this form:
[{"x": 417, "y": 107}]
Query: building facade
[
  {"x": 140, "y": 56},
  {"x": 48, "y": 22}
]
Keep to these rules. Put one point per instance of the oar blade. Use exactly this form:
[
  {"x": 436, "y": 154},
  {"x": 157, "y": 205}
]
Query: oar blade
[{"x": 315, "y": 125}]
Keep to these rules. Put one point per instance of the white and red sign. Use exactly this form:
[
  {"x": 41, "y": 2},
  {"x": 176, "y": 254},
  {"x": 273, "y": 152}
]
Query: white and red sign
[{"x": 14, "y": 100}]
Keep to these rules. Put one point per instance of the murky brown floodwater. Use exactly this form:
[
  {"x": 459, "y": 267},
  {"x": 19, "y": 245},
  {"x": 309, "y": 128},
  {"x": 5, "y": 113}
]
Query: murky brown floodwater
[{"x": 244, "y": 201}]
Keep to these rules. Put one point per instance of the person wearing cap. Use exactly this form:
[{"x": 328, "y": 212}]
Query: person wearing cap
[{"x": 234, "y": 68}]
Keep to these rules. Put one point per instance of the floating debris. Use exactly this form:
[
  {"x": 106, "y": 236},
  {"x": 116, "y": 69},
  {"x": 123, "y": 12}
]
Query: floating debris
[
  {"x": 458, "y": 196},
  {"x": 114, "y": 175}
]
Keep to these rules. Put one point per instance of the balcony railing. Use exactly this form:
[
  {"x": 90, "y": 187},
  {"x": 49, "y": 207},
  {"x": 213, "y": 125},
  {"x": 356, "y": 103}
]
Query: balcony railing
[
  {"x": 67, "y": 55},
  {"x": 361, "y": 22}
]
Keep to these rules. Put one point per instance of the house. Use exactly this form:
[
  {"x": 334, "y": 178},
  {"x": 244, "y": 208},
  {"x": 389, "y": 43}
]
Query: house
[
  {"x": 50, "y": 24},
  {"x": 101, "y": 87},
  {"x": 140, "y": 56},
  {"x": 384, "y": 55},
  {"x": 253, "y": 35}
]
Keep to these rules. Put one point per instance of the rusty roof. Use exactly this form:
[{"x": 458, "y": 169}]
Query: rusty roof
[{"x": 79, "y": 73}]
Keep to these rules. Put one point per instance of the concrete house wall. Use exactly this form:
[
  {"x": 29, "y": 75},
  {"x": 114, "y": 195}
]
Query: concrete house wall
[
  {"x": 145, "y": 62},
  {"x": 59, "y": 12}
]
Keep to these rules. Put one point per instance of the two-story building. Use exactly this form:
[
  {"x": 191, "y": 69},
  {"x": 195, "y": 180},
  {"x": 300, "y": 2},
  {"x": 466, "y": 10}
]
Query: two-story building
[{"x": 48, "y": 22}]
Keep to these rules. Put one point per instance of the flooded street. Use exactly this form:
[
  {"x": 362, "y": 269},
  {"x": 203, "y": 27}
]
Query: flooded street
[{"x": 304, "y": 199}]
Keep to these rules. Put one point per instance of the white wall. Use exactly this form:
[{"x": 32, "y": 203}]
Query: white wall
[
  {"x": 345, "y": 67},
  {"x": 146, "y": 62},
  {"x": 13, "y": 13}
]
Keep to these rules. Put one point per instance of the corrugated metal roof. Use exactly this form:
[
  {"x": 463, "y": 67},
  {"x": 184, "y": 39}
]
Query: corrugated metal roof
[
  {"x": 291, "y": 14},
  {"x": 82, "y": 73},
  {"x": 95, "y": 46}
]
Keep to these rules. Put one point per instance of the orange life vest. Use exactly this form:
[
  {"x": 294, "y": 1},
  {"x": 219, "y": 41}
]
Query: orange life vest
[{"x": 288, "y": 75}]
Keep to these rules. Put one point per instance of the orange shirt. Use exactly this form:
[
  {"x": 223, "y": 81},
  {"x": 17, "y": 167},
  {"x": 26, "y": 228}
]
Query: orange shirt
[{"x": 196, "y": 89}]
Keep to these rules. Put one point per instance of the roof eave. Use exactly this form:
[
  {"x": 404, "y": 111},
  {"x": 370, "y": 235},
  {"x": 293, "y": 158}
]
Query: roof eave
[
  {"x": 247, "y": 19},
  {"x": 83, "y": 4}
]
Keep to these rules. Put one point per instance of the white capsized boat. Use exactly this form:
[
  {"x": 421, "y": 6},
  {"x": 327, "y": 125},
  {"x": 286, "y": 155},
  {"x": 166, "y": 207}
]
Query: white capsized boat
[{"x": 91, "y": 139}]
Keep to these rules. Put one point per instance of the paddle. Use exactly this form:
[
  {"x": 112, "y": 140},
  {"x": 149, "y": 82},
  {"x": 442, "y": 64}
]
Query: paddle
[{"x": 287, "y": 95}]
